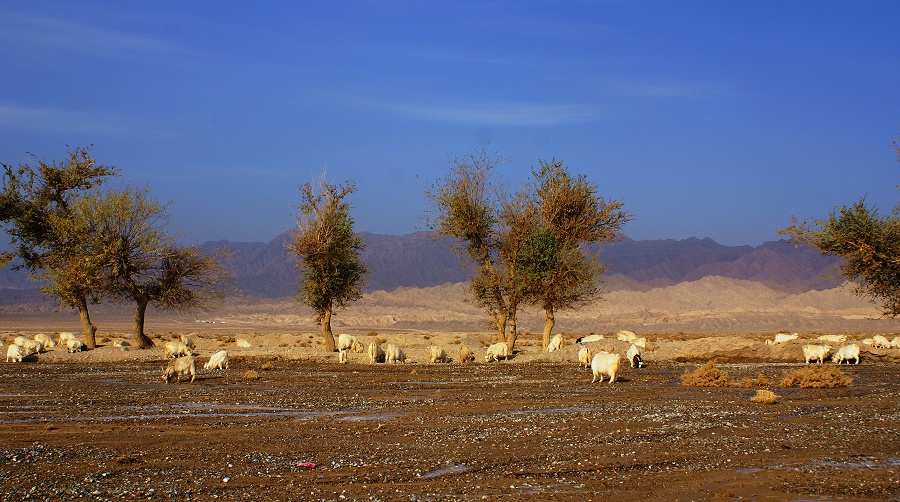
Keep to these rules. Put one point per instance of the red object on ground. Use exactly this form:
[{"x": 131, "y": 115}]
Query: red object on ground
[{"x": 306, "y": 465}]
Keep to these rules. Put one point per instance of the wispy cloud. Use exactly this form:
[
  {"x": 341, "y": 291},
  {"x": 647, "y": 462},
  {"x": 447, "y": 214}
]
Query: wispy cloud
[
  {"x": 57, "y": 120},
  {"x": 662, "y": 88},
  {"x": 22, "y": 31},
  {"x": 504, "y": 114}
]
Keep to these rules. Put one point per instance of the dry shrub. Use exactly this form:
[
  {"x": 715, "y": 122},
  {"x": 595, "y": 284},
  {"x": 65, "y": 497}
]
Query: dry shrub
[
  {"x": 816, "y": 377},
  {"x": 707, "y": 375},
  {"x": 765, "y": 397},
  {"x": 251, "y": 375},
  {"x": 426, "y": 337},
  {"x": 267, "y": 366},
  {"x": 455, "y": 342},
  {"x": 749, "y": 383}
]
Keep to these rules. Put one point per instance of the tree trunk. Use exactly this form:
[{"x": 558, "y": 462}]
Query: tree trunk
[
  {"x": 500, "y": 319},
  {"x": 327, "y": 335},
  {"x": 548, "y": 326},
  {"x": 511, "y": 336},
  {"x": 140, "y": 339},
  {"x": 86, "y": 326}
]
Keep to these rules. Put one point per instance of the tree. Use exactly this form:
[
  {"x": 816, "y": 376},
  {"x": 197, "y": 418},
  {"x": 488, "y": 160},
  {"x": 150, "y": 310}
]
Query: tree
[
  {"x": 469, "y": 207},
  {"x": 142, "y": 261},
  {"x": 868, "y": 243},
  {"x": 35, "y": 208},
  {"x": 332, "y": 273},
  {"x": 571, "y": 216}
]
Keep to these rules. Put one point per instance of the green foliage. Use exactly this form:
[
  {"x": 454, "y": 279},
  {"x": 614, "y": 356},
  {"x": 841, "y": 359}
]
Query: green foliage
[
  {"x": 869, "y": 245},
  {"x": 332, "y": 272}
]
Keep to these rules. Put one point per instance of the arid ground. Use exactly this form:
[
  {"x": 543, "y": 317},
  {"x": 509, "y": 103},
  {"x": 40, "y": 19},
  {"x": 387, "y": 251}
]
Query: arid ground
[{"x": 102, "y": 425}]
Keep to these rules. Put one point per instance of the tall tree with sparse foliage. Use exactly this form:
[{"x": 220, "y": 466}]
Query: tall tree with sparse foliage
[
  {"x": 35, "y": 210},
  {"x": 144, "y": 263},
  {"x": 332, "y": 272},
  {"x": 570, "y": 217},
  {"x": 869, "y": 244}
]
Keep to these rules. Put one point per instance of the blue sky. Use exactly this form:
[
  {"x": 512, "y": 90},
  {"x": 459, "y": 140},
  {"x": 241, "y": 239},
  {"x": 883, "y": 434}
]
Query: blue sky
[{"x": 712, "y": 119}]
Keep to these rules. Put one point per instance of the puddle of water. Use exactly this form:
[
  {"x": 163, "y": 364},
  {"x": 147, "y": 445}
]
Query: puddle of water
[
  {"x": 453, "y": 469},
  {"x": 374, "y": 416}
]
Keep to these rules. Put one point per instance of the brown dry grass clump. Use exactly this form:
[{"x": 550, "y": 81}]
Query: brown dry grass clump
[
  {"x": 251, "y": 375},
  {"x": 816, "y": 377},
  {"x": 749, "y": 383},
  {"x": 765, "y": 397},
  {"x": 707, "y": 375}
]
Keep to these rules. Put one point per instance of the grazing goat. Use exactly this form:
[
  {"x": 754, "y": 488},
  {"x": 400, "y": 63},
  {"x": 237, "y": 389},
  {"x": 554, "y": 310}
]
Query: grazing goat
[
  {"x": 346, "y": 341},
  {"x": 218, "y": 361},
  {"x": 584, "y": 357},
  {"x": 344, "y": 356},
  {"x": 634, "y": 356},
  {"x": 242, "y": 342},
  {"x": 846, "y": 353},
  {"x": 45, "y": 340},
  {"x": 781, "y": 338},
  {"x": 177, "y": 349},
  {"x": 833, "y": 338},
  {"x": 180, "y": 367},
  {"x": 376, "y": 353},
  {"x": 187, "y": 341},
  {"x": 394, "y": 354},
  {"x": 605, "y": 363},
  {"x": 466, "y": 355},
  {"x": 74, "y": 345},
  {"x": 589, "y": 339},
  {"x": 29, "y": 346},
  {"x": 63, "y": 336},
  {"x": 640, "y": 342},
  {"x": 880, "y": 342},
  {"x": 14, "y": 352},
  {"x": 497, "y": 351},
  {"x": 438, "y": 355},
  {"x": 625, "y": 335},
  {"x": 817, "y": 352},
  {"x": 555, "y": 343}
]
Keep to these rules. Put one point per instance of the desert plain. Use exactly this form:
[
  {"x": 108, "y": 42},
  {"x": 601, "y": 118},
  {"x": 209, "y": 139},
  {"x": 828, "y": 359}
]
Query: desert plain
[{"x": 102, "y": 425}]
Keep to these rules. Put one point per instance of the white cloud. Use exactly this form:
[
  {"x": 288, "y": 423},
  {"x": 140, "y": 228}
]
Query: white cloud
[
  {"x": 505, "y": 114},
  {"x": 60, "y": 120}
]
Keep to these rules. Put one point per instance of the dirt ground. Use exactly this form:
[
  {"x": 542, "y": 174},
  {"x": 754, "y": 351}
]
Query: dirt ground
[{"x": 102, "y": 425}]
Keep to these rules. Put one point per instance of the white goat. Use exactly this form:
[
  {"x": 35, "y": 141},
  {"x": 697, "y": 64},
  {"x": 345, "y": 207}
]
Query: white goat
[
  {"x": 781, "y": 338},
  {"x": 29, "y": 346},
  {"x": 438, "y": 355},
  {"x": 74, "y": 345},
  {"x": 242, "y": 342},
  {"x": 896, "y": 342},
  {"x": 344, "y": 356},
  {"x": 14, "y": 352},
  {"x": 45, "y": 340},
  {"x": 589, "y": 339},
  {"x": 640, "y": 342},
  {"x": 817, "y": 352},
  {"x": 346, "y": 341},
  {"x": 605, "y": 363},
  {"x": 63, "y": 336},
  {"x": 465, "y": 355},
  {"x": 833, "y": 338},
  {"x": 180, "y": 367},
  {"x": 584, "y": 357},
  {"x": 846, "y": 353},
  {"x": 555, "y": 343},
  {"x": 634, "y": 356},
  {"x": 880, "y": 342},
  {"x": 218, "y": 361},
  {"x": 187, "y": 341},
  {"x": 394, "y": 354},
  {"x": 625, "y": 335},
  {"x": 177, "y": 349},
  {"x": 497, "y": 351},
  {"x": 376, "y": 353}
]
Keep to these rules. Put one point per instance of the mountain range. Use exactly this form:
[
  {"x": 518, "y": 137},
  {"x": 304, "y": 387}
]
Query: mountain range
[{"x": 417, "y": 260}]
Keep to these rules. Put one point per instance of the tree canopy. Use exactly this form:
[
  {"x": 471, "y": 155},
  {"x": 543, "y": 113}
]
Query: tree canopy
[{"x": 332, "y": 272}]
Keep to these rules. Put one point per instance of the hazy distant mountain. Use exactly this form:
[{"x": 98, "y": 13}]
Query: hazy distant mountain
[{"x": 267, "y": 270}]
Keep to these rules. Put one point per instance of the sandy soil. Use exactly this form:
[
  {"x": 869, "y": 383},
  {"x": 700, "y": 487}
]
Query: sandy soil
[{"x": 102, "y": 425}]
